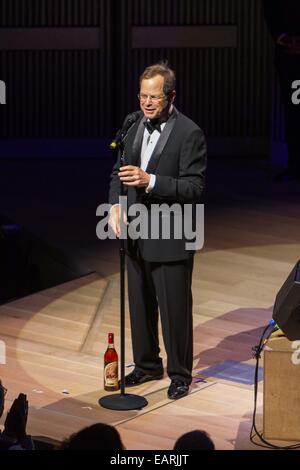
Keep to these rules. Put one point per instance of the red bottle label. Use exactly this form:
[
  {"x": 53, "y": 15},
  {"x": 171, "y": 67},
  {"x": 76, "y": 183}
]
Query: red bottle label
[{"x": 111, "y": 374}]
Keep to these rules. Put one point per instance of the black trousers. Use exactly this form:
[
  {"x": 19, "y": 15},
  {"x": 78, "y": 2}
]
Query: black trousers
[{"x": 167, "y": 287}]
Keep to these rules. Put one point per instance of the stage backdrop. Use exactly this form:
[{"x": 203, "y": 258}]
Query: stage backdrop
[{"x": 71, "y": 70}]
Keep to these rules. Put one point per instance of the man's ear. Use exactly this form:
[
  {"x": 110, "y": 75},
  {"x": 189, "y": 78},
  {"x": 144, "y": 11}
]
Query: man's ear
[{"x": 172, "y": 96}]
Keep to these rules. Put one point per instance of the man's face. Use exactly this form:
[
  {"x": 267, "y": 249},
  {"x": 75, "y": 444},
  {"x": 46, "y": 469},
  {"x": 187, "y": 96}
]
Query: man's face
[{"x": 159, "y": 104}]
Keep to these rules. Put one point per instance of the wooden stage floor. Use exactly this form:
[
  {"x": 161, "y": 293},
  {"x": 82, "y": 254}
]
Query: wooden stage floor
[{"x": 55, "y": 339}]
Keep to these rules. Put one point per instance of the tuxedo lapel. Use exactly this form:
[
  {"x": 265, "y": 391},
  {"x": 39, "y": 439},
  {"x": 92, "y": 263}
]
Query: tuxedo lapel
[
  {"x": 153, "y": 162},
  {"x": 137, "y": 143}
]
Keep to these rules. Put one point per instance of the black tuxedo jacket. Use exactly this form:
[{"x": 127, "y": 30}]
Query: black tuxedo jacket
[{"x": 179, "y": 163}]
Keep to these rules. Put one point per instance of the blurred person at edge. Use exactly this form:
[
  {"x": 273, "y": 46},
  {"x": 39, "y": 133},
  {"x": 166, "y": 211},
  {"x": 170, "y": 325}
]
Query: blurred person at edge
[{"x": 283, "y": 21}]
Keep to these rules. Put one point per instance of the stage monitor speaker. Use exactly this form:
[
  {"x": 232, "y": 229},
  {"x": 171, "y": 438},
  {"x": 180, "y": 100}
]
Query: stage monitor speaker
[{"x": 286, "y": 310}]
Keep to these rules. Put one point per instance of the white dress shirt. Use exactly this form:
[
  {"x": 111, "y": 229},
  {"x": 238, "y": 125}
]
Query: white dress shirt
[{"x": 148, "y": 146}]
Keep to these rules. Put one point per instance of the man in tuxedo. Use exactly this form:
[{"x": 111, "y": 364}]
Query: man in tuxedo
[
  {"x": 165, "y": 163},
  {"x": 283, "y": 21}
]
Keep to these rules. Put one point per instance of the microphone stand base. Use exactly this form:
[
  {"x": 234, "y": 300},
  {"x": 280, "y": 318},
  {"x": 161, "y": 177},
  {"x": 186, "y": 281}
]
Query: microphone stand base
[{"x": 123, "y": 402}]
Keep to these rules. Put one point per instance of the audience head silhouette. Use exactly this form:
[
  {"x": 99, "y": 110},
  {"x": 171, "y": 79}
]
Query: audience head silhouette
[
  {"x": 194, "y": 440},
  {"x": 2, "y": 395},
  {"x": 98, "y": 436}
]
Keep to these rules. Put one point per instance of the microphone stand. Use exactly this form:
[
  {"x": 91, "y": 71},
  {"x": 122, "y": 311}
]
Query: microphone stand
[{"x": 122, "y": 401}]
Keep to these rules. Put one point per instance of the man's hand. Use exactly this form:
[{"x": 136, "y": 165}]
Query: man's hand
[
  {"x": 16, "y": 419},
  {"x": 295, "y": 49},
  {"x": 114, "y": 219},
  {"x": 134, "y": 176},
  {"x": 285, "y": 41},
  {"x": 291, "y": 44}
]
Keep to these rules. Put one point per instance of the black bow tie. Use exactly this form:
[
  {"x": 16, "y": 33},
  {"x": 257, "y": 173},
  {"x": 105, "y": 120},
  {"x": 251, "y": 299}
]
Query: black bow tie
[{"x": 152, "y": 126}]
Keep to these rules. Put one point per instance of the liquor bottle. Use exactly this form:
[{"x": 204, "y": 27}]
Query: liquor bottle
[{"x": 111, "y": 382}]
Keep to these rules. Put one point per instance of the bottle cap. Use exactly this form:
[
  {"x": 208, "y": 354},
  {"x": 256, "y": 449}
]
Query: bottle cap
[{"x": 110, "y": 337}]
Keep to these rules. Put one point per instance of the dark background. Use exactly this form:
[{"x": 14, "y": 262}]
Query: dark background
[{"x": 72, "y": 67}]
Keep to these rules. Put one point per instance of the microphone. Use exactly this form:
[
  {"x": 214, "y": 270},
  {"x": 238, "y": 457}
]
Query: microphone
[{"x": 121, "y": 134}]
